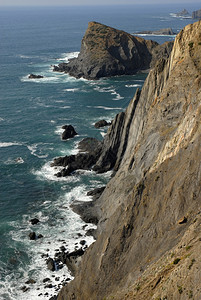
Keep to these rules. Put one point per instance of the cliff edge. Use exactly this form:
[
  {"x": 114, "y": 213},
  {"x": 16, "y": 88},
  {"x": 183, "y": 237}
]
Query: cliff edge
[{"x": 148, "y": 238}]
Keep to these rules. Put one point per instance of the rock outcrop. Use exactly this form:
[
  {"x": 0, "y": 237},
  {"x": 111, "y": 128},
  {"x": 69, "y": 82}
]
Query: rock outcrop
[
  {"x": 69, "y": 132},
  {"x": 183, "y": 13},
  {"x": 164, "y": 31},
  {"x": 143, "y": 250},
  {"x": 196, "y": 14},
  {"x": 33, "y": 76},
  {"x": 106, "y": 52}
]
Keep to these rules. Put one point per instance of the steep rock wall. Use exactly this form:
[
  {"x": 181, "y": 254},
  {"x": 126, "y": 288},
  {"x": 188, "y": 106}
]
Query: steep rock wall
[{"x": 152, "y": 205}]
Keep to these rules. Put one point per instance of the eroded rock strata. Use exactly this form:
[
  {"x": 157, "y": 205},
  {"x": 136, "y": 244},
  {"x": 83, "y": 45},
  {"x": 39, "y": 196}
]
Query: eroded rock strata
[
  {"x": 148, "y": 238},
  {"x": 106, "y": 51}
]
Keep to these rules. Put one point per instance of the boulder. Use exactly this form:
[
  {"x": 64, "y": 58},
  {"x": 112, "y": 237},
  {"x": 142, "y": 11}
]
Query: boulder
[
  {"x": 50, "y": 264},
  {"x": 69, "y": 132},
  {"x": 101, "y": 123},
  {"x": 34, "y": 221},
  {"x": 32, "y": 235}
]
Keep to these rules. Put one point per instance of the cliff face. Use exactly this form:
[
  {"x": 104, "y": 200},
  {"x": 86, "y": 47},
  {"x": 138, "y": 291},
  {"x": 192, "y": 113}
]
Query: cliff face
[
  {"x": 106, "y": 51},
  {"x": 196, "y": 14},
  {"x": 149, "y": 232}
]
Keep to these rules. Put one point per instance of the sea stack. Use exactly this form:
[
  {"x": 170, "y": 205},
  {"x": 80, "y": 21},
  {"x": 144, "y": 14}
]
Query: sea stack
[{"x": 106, "y": 51}]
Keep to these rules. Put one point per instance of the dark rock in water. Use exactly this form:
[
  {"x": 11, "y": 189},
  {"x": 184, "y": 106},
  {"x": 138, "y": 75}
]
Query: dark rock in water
[
  {"x": 40, "y": 236},
  {"x": 91, "y": 232},
  {"x": 34, "y": 221},
  {"x": 63, "y": 248},
  {"x": 25, "y": 289},
  {"x": 96, "y": 192},
  {"x": 46, "y": 280},
  {"x": 90, "y": 145},
  {"x": 86, "y": 211},
  {"x": 30, "y": 281},
  {"x": 82, "y": 242},
  {"x": 50, "y": 264},
  {"x": 33, "y": 76},
  {"x": 101, "y": 123},
  {"x": 32, "y": 235},
  {"x": 84, "y": 161},
  {"x": 49, "y": 286},
  {"x": 73, "y": 260},
  {"x": 69, "y": 132},
  {"x": 53, "y": 298},
  {"x": 106, "y": 51}
]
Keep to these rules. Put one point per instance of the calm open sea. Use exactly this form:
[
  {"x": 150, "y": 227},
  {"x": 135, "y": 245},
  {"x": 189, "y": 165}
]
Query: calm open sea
[{"x": 31, "y": 115}]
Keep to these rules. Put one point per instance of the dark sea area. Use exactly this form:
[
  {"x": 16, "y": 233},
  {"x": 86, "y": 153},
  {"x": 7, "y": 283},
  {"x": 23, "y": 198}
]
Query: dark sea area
[{"x": 32, "y": 112}]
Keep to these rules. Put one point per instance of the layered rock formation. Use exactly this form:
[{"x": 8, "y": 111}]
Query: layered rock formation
[
  {"x": 148, "y": 237},
  {"x": 106, "y": 51}
]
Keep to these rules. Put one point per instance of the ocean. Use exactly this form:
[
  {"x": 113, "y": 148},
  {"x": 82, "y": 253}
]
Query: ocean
[{"x": 32, "y": 112}]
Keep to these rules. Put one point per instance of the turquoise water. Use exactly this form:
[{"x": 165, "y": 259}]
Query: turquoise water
[{"x": 31, "y": 115}]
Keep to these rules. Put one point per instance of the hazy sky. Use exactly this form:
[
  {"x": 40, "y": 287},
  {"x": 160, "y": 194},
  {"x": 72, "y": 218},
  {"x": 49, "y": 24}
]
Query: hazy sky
[{"x": 87, "y": 2}]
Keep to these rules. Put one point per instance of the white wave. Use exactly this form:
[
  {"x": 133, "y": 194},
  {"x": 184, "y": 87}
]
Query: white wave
[
  {"x": 118, "y": 97},
  {"x": 67, "y": 56},
  {"x": 9, "y": 144},
  {"x": 33, "y": 148},
  {"x": 103, "y": 134},
  {"x": 1, "y": 119},
  {"x": 132, "y": 85},
  {"x": 52, "y": 121},
  {"x": 18, "y": 160},
  {"x": 65, "y": 107},
  {"x": 71, "y": 90},
  {"x": 105, "y": 107},
  {"x": 151, "y": 34},
  {"x": 59, "y": 130},
  {"x": 48, "y": 173}
]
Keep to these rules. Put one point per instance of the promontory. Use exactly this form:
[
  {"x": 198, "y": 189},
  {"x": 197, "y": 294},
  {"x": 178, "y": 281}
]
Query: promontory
[{"x": 106, "y": 51}]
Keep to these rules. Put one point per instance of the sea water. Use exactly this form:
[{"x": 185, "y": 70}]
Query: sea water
[{"x": 32, "y": 112}]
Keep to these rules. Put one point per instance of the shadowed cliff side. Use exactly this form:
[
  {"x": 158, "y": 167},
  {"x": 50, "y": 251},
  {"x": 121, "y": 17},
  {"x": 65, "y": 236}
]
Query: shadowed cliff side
[
  {"x": 106, "y": 51},
  {"x": 149, "y": 232}
]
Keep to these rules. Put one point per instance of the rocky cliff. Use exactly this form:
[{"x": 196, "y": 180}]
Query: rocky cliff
[
  {"x": 196, "y": 14},
  {"x": 148, "y": 236},
  {"x": 106, "y": 51}
]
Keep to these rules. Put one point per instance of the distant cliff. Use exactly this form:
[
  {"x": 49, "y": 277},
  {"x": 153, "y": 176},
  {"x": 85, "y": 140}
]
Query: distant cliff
[
  {"x": 148, "y": 237},
  {"x": 196, "y": 14},
  {"x": 106, "y": 51}
]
